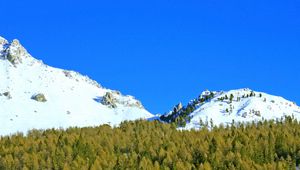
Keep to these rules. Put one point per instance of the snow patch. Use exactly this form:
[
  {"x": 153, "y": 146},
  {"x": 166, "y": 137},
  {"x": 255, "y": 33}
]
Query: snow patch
[{"x": 72, "y": 99}]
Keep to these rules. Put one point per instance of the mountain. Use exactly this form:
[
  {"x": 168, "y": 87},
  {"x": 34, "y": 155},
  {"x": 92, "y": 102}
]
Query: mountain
[
  {"x": 36, "y": 96},
  {"x": 222, "y": 107}
]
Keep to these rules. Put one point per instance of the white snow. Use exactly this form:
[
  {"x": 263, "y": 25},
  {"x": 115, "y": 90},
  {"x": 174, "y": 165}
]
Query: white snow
[
  {"x": 262, "y": 106},
  {"x": 72, "y": 99}
]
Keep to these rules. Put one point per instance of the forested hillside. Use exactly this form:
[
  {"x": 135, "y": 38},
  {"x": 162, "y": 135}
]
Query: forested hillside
[{"x": 155, "y": 145}]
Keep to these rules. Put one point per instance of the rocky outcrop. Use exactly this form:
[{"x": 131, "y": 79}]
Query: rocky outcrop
[
  {"x": 244, "y": 115},
  {"x": 78, "y": 77},
  {"x": 116, "y": 92},
  {"x": 3, "y": 41},
  {"x": 39, "y": 97},
  {"x": 6, "y": 94},
  {"x": 14, "y": 52},
  {"x": 139, "y": 104},
  {"x": 178, "y": 107},
  {"x": 67, "y": 73},
  {"x": 109, "y": 100}
]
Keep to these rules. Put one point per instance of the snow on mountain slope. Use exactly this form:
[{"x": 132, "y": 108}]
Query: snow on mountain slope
[
  {"x": 242, "y": 105},
  {"x": 70, "y": 98}
]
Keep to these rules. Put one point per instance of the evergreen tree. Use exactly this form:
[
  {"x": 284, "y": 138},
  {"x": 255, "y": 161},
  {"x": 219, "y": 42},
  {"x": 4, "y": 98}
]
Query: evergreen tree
[
  {"x": 231, "y": 97},
  {"x": 226, "y": 97}
]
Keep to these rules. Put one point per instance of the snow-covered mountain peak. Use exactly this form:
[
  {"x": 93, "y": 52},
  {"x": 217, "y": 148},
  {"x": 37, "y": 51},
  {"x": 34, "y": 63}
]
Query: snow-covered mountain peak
[
  {"x": 35, "y": 95},
  {"x": 3, "y": 41},
  {"x": 241, "y": 105},
  {"x": 15, "y": 53}
]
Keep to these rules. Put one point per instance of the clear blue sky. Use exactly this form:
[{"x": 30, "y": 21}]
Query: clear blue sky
[{"x": 162, "y": 51}]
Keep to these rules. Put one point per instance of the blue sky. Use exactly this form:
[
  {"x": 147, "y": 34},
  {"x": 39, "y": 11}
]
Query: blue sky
[{"x": 164, "y": 52}]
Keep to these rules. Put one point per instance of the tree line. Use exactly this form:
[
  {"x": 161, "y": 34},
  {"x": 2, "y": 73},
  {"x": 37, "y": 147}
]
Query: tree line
[{"x": 155, "y": 145}]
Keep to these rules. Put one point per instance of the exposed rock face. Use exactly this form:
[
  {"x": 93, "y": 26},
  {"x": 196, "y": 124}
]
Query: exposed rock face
[
  {"x": 3, "y": 41},
  {"x": 116, "y": 92},
  {"x": 67, "y": 74},
  {"x": 39, "y": 97},
  {"x": 13, "y": 58},
  {"x": 178, "y": 107},
  {"x": 139, "y": 104},
  {"x": 15, "y": 51},
  {"x": 256, "y": 113},
  {"x": 74, "y": 75},
  {"x": 244, "y": 115},
  {"x": 6, "y": 94},
  {"x": 109, "y": 100}
]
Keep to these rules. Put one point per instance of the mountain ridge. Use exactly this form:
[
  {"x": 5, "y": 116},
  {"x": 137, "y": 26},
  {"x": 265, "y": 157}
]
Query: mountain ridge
[
  {"x": 37, "y": 96},
  {"x": 224, "y": 107},
  {"x": 34, "y": 95}
]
